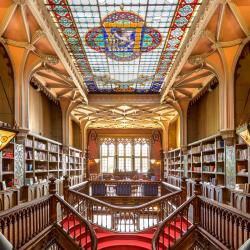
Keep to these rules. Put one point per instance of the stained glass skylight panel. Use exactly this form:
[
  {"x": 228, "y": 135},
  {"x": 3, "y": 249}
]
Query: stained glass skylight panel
[{"x": 123, "y": 45}]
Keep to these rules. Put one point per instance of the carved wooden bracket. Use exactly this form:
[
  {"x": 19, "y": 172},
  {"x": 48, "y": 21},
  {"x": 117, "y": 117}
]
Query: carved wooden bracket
[{"x": 228, "y": 136}]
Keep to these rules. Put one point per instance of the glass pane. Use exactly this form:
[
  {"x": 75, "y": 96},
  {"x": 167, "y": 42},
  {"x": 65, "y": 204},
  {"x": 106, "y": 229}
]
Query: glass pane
[
  {"x": 144, "y": 165},
  {"x": 121, "y": 164},
  {"x": 138, "y": 164},
  {"x": 112, "y": 150},
  {"x": 145, "y": 149},
  {"x": 137, "y": 149},
  {"x": 128, "y": 149},
  {"x": 104, "y": 149},
  {"x": 111, "y": 161},
  {"x": 104, "y": 164},
  {"x": 128, "y": 164},
  {"x": 121, "y": 149}
]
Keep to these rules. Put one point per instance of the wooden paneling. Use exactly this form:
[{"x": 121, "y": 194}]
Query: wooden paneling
[
  {"x": 74, "y": 134},
  {"x": 242, "y": 88},
  {"x": 45, "y": 116},
  {"x": 6, "y": 80},
  {"x": 203, "y": 116},
  {"x": 174, "y": 134}
]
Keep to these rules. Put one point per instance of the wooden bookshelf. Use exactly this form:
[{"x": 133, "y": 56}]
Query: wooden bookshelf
[
  {"x": 8, "y": 161},
  {"x": 242, "y": 158},
  {"x": 175, "y": 163},
  {"x": 45, "y": 158},
  {"x": 74, "y": 163},
  {"x": 206, "y": 160}
]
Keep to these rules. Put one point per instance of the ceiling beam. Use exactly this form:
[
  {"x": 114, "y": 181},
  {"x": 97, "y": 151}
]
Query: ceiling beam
[
  {"x": 204, "y": 15},
  {"x": 40, "y": 13}
]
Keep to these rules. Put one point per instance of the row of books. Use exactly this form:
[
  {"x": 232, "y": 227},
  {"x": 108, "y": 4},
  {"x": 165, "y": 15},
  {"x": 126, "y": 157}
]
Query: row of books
[
  {"x": 196, "y": 159},
  {"x": 220, "y": 157},
  {"x": 196, "y": 169},
  {"x": 208, "y": 147},
  {"x": 52, "y": 158},
  {"x": 242, "y": 154},
  {"x": 195, "y": 150},
  {"x": 28, "y": 143},
  {"x": 209, "y": 158},
  {"x": 53, "y": 148},
  {"x": 40, "y": 156},
  {"x": 39, "y": 145},
  {"x": 8, "y": 153},
  {"x": 208, "y": 168}
]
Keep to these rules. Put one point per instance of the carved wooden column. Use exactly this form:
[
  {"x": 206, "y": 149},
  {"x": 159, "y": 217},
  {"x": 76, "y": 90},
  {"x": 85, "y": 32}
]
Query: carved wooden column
[
  {"x": 53, "y": 202},
  {"x": 85, "y": 162},
  {"x": 196, "y": 204},
  {"x": 183, "y": 189},
  {"x": 162, "y": 164},
  {"x": 66, "y": 186}
]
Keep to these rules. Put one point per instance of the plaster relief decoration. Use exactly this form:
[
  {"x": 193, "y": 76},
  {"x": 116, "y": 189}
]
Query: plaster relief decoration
[
  {"x": 19, "y": 164},
  {"x": 230, "y": 167},
  {"x": 123, "y": 46}
]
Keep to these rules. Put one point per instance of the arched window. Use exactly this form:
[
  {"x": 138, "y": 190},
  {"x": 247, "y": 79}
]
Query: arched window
[
  {"x": 107, "y": 158},
  {"x": 125, "y": 155}
]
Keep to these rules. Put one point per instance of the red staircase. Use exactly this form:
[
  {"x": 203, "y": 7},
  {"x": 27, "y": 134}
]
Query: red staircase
[{"x": 108, "y": 240}]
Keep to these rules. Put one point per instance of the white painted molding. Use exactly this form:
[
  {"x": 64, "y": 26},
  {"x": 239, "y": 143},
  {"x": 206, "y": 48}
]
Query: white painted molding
[{"x": 42, "y": 16}]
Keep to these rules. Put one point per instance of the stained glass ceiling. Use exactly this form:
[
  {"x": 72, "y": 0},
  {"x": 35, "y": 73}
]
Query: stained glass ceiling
[{"x": 123, "y": 46}]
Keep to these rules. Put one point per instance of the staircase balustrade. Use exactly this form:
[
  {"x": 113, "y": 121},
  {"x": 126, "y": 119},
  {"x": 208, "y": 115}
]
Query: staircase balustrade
[
  {"x": 20, "y": 224},
  {"x": 24, "y": 222},
  {"x": 227, "y": 224},
  {"x": 222, "y": 223},
  {"x": 124, "y": 219}
]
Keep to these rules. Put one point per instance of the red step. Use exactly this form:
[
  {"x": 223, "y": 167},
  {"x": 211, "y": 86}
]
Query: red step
[{"x": 108, "y": 240}]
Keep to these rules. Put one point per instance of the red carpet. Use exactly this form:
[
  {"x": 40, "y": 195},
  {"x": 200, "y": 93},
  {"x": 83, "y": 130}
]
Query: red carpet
[{"x": 108, "y": 240}]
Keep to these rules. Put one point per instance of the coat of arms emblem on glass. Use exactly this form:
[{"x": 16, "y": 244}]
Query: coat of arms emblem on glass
[
  {"x": 123, "y": 46},
  {"x": 123, "y": 36}
]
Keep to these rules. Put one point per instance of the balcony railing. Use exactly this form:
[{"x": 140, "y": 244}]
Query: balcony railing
[
  {"x": 124, "y": 219},
  {"x": 225, "y": 225},
  {"x": 22, "y": 223}
]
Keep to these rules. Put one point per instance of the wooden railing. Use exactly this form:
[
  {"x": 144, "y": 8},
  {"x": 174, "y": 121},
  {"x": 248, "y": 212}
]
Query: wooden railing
[
  {"x": 76, "y": 227},
  {"x": 22, "y": 223},
  {"x": 175, "y": 226},
  {"x": 124, "y": 219},
  {"x": 224, "y": 224}
]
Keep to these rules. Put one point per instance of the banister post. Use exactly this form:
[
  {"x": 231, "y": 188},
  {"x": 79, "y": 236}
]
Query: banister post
[
  {"x": 196, "y": 204},
  {"x": 66, "y": 186},
  {"x": 53, "y": 202},
  {"x": 183, "y": 189}
]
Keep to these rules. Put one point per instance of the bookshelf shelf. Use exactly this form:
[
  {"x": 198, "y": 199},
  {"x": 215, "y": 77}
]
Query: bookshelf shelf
[
  {"x": 206, "y": 160},
  {"x": 45, "y": 158},
  {"x": 242, "y": 156}
]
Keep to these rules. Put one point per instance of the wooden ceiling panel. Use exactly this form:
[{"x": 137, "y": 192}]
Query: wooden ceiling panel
[
  {"x": 230, "y": 29},
  {"x": 16, "y": 28}
]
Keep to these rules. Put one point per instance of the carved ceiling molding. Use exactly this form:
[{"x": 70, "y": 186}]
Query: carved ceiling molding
[
  {"x": 41, "y": 87},
  {"x": 124, "y": 116},
  {"x": 41, "y": 14},
  {"x": 203, "y": 17}
]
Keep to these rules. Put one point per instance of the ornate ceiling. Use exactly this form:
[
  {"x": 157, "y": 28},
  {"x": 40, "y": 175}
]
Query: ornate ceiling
[
  {"x": 125, "y": 116},
  {"x": 41, "y": 53},
  {"x": 123, "y": 45}
]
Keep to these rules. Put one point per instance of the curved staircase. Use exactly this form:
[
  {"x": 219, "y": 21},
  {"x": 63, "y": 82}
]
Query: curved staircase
[{"x": 109, "y": 240}]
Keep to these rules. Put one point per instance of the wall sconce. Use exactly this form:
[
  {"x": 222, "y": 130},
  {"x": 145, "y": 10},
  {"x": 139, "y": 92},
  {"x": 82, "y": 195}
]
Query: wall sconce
[
  {"x": 97, "y": 160},
  {"x": 152, "y": 161}
]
